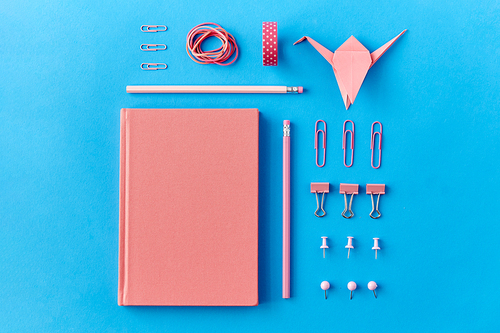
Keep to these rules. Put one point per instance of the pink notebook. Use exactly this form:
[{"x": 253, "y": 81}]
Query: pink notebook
[{"x": 189, "y": 207}]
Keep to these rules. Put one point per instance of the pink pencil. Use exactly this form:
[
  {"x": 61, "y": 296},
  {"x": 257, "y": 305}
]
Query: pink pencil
[
  {"x": 179, "y": 89},
  {"x": 286, "y": 209}
]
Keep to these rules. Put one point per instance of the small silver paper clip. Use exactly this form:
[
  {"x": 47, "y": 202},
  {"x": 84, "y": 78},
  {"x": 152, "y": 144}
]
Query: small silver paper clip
[
  {"x": 153, "y": 47},
  {"x": 153, "y": 67},
  {"x": 148, "y": 28}
]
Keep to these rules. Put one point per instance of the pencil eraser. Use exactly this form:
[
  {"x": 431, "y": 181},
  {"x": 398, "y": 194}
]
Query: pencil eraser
[
  {"x": 301, "y": 90},
  {"x": 286, "y": 122}
]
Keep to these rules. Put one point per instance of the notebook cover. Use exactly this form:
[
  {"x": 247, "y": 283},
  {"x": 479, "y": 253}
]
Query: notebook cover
[{"x": 189, "y": 207}]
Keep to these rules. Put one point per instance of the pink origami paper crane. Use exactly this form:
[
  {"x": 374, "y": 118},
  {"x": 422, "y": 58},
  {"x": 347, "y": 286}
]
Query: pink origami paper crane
[{"x": 350, "y": 62}]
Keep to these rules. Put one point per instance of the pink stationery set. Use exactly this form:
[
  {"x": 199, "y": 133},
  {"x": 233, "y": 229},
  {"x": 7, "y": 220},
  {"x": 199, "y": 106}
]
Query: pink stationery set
[{"x": 189, "y": 179}]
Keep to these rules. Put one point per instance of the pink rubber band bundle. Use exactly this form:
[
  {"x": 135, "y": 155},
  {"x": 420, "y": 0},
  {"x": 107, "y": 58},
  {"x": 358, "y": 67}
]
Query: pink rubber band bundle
[{"x": 218, "y": 56}]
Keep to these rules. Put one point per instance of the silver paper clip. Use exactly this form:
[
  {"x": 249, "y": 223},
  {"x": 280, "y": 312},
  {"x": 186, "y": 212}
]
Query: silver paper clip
[
  {"x": 375, "y": 189},
  {"x": 147, "y": 28},
  {"x": 344, "y": 143},
  {"x": 153, "y": 47},
  {"x": 153, "y": 67},
  {"x": 346, "y": 189},
  {"x": 320, "y": 188},
  {"x": 316, "y": 137},
  {"x": 372, "y": 144}
]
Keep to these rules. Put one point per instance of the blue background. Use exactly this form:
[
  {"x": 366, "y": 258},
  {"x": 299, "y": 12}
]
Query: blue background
[{"x": 65, "y": 65}]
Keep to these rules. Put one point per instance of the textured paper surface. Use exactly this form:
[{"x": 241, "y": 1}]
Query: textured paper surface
[
  {"x": 189, "y": 207},
  {"x": 350, "y": 62}
]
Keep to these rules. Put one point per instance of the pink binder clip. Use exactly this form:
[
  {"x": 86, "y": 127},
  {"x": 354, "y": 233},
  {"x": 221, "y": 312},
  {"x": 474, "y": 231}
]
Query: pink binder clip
[
  {"x": 316, "y": 136},
  {"x": 379, "y": 144},
  {"x": 372, "y": 189},
  {"x": 344, "y": 143},
  {"x": 346, "y": 189},
  {"x": 320, "y": 188}
]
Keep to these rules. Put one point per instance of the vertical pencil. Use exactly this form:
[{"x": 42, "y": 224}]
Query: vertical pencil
[{"x": 286, "y": 209}]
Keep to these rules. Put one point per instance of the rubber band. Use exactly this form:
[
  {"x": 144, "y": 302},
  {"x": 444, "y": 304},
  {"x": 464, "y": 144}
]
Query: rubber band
[{"x": 218, "y": 56}]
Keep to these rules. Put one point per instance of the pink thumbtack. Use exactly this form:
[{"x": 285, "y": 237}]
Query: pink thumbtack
[
  {"x": 372, "y": 285},
  {"x": 351, "y": 286},
  {"x": 325, "y": 285},
  {"x": 349, "y": 245},
  {"x": 324, "y": 246},
  {"x": 375, "y": 246}
]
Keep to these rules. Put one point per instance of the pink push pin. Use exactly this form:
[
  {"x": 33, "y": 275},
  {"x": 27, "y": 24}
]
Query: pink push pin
[
  {"x": 375, "y": 246},
  {"x": 349, "y": 245},
  {"x": 324, "y": 246},
  {"x": 372, "y": 285},
  {"x": 325, "y": 285},
  {"x": 351, "y": 286}
]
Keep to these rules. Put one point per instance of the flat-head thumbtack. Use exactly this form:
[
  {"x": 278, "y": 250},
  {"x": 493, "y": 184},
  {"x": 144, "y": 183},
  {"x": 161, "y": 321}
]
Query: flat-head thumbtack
[
  {"x": 324, "y": 246},
  {"x": 349, "y": 245},
  {"x": 372, "y": 285},
  {"x": 325, "y": 285},
  {"x": 351, "y": 286},
  {"x": 375, "y": 246}
]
